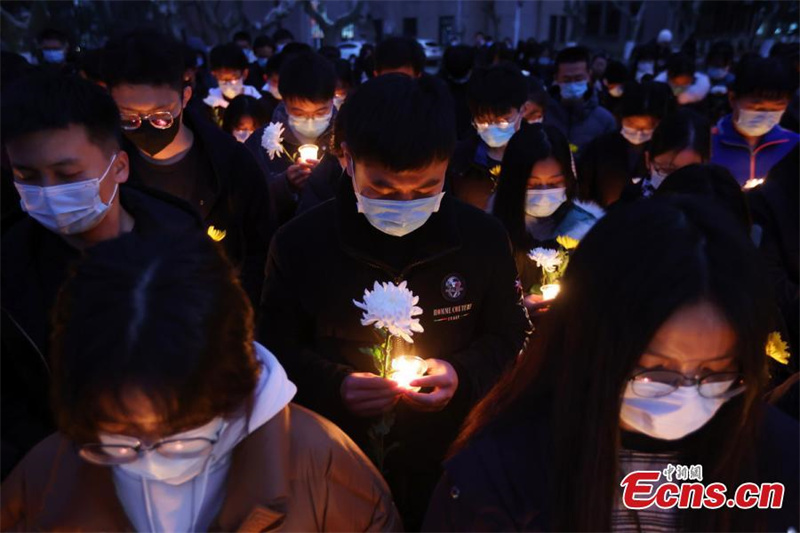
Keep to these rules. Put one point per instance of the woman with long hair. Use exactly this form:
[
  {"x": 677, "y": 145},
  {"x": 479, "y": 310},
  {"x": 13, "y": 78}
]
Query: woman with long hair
[{"x": 652, "y": 355}]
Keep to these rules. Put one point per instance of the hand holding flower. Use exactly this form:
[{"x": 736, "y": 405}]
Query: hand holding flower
[{"x": 366, "y": 395}]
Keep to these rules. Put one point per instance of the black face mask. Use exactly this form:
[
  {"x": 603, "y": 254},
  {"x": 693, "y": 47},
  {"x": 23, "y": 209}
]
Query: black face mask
[{"x": 152, "y": 140}]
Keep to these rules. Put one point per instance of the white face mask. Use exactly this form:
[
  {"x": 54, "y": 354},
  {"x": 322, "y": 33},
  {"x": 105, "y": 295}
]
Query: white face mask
[
  {"x": 231, "y": 89},
  {"x": 646, "y": 67},
  {"x": 541, "y": 203},
  {"x": 669, "y": 417},
  {"x": 155, "y": 467},
  {"x": 657, "y": 178},
  {"x": 397, "y": 218},
  {"x": 54, "y": 56},
  {"x": 242, "y": 135},
  {"x": 310, "y": 128},
  {"x": 69, "y": 208},
  {"x": 757, "y": 123},
  {"x": 636, "y": 136},
  {"x": 338, "y": 101}
]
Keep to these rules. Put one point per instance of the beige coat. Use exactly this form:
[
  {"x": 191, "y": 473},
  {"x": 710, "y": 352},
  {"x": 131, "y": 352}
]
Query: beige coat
[{"x": 297, "y": 472}]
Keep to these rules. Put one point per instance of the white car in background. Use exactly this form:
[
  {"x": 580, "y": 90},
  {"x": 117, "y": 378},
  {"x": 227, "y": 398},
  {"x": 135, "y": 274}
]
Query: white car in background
[
  {"x": 432, "y": 49},
  {"x": 351, "y": 49}
]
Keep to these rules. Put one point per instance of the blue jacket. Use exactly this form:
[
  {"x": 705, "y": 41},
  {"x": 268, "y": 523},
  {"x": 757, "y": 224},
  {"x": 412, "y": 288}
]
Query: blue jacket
[{"x": 730, "y": 149}]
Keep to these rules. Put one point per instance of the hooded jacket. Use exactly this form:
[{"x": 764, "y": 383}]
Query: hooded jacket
[{"x": 285, "y": 468}]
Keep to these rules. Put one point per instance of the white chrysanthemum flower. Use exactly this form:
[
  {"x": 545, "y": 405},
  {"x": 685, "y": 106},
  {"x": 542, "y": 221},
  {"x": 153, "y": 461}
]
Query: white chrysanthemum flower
[
  {"x": 392, "y": 307},
  {"x": 272, "y": 140},
  {"x": 546, "y": 258}
]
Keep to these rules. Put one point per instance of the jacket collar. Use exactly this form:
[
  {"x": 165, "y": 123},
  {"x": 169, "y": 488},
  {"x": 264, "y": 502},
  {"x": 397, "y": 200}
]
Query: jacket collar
[
  {"x": 439, "y": 236},
  {"x": 728, "y": 134}
]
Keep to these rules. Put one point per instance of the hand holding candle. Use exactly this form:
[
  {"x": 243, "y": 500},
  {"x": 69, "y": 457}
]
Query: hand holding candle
[
  {"x": 407, "y": 368},
  {"x": 442, "y": 378},
  {"x": 308, "y": 152},
  {"x": 550, "y": 291}
]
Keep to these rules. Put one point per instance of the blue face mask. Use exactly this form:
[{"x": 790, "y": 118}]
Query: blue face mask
[
  {"x": 496, "y": 136},
  {"x": 310, "y": 128},
  {"x": 717, "y": 73},
  {"x": 262, "y": 61},
  {"x": 573, "y": 90},
  {"x": 54, "y": 56}
]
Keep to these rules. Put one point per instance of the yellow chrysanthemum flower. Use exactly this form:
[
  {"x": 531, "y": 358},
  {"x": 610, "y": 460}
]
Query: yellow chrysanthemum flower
[
  {"x": 495, "y": 171},
  {"x": 777, "y": 348},
  {"x": 567, "y": 242},
  {"x": 215, "y": 234}
]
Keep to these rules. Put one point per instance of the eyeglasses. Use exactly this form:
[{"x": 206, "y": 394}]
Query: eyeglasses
[
  {"x": 118, "y": 454},
  {"x": 161, "y": 120},
  {"x": 503, "y": 124},
  {"x": 658, "y": 383}
]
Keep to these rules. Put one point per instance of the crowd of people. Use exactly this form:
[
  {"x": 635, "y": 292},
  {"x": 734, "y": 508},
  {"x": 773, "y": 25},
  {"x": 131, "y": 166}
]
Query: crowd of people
[{"x": 186, "y": 237}]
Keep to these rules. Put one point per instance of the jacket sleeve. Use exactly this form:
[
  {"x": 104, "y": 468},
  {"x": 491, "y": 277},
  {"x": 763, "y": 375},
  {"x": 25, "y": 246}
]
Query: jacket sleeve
[
  {"x": 258, "y": 224},
  {"x": 504, "y": 327},
  {"x": 284, "y": 200},
  {"x": 287, "y": 329}
]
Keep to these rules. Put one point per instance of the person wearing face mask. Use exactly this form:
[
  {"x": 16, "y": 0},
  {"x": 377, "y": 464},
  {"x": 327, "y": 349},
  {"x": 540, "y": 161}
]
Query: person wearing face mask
[
  {"x": 61, "y": 134},
  {"x": 229, "y": 67},
  {"x": 536, "y": 199},
  {"x": 574, "y": 108},
  {"x": 689, "y": 86},
  {"x": 719, "y": 69},
  {"x": 652, "y": 354},
  {"x": 194, "y": 434},
  {"x": 53, "y": 46},
  {"x": 264, "y": 49},
  {"x": 496, "y": 97},
  {"x": 391, "y": 221},
  {"x": 175, "y": 149},
  {"x": 612, "y": 161},
  {"x": 750, "y": 141},
  {"x": 612, "y": 85},
  {"x": 681, "y": 138},
  {"x": 243, "y": 116},
  {"x": 308, "y": 87}
]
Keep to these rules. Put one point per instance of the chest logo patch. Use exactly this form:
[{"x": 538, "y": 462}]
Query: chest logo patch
[{"x": 453, "y": 288}]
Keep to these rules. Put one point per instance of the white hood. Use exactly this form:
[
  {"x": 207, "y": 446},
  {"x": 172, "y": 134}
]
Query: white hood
[{"x": 171, "y": 507}]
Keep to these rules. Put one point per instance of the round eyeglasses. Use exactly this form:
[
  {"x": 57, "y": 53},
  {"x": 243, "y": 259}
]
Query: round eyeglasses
[
  {"x": 118, "y": 454},
  {"x": 658, "y": 383},
  {"x": 161, "y": 120}
]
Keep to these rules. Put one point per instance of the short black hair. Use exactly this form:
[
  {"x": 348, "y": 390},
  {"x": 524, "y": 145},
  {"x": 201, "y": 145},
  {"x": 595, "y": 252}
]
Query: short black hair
[
  {"x": 294, "y": 48},
  {"x": 573, "y": 54},
  {"x": 344, "y": 73},
  {"x": 262, "y": 41},
  {"x": 680, "y": 130},
  {"x": 398, "y": 52},
  {"x": 713, "y": 182},
  {"x": 458, "y": 61},
  {"x": 493, "y": 91},
  {"x": 242, "y": 36},
  {"x": 401, "y": 123},
  {"x": 331, "y": 53},
  {"x": 50, "y": 101},
  {"x": 680, "y": 65},
  {"x": 178, "y": 324},
  {"x": 282, "y": 34},
  {"x": 53, "y": 34},
  {"x": 760, "y": 77},
  {"x": 90, "y": 64},
  {"x": 650, "y": 98},
  {"x": 243, "y": 106},
  {"x": 616, "y": 72},
  {"x": 228, "y": 56},
  {"x": 144, "y": 57},
  {"x": 721, "y": 52},
  {"x": 307, "y": 76}
]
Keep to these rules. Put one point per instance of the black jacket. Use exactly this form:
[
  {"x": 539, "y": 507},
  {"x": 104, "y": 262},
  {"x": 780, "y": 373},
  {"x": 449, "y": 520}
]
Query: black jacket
[
  {"x": 471, "y": 174},
  {"x": 501, "y": 481},
  {"x": 240, "y": 205},
  {"x": 284, "y": 199},
  {"x": 607, "y": 165},
  {"x": 323, "y": 260},
  {"x": 35, "y": 262},
  {"x": 322, "y": 184}
]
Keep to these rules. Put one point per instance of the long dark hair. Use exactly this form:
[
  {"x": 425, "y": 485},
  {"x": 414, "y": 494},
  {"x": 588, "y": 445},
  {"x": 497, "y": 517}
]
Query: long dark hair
[
  {"x": 531, "y": 144},
  {"x": 638, "y": 266},
  {"x": 164, "y": 316}
]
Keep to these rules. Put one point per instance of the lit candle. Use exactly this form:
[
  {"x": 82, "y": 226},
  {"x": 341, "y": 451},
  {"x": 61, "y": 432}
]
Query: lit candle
[
  {"x": 752, "y": 183},
  {"x": 550, "y": 291},
  {"x": 308, "y": 151},
  {"x": 407, "y": 368}
]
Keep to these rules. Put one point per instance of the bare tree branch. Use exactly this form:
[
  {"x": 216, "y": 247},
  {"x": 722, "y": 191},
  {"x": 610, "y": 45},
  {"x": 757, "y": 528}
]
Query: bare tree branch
[{"x": 23, "y": 22}]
